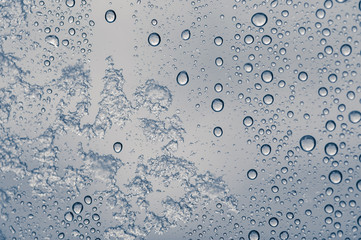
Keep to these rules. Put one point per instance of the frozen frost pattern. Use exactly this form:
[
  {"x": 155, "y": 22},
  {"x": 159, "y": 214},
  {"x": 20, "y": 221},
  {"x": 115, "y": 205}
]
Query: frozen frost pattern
[{"x": 227, "y": 120}]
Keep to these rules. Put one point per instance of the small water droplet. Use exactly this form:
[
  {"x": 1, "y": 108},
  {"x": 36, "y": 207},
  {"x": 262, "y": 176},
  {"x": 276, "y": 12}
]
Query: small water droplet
[
  {"x": 88, "y": 200},
  {"x": 307, "y": 143},
  {"x": 219, "y": 61},
  {"x": 330, "y": 125},
  {"x": 331, "y": 149},
  {"x": 110, "y": 16},
  {"x": 259, "y": 19},
  {"x": 186, "y": 35},
  {"x": 182, "y": 78},
  {"x": 217, "y": 105},
  {"x": 218, "y": 41},
  {"x": 273, "y": 222},
  {"x": 253, "y": 235},
  {"x": 252, "y": 174},
  {"x": 335, "y": 177},
  {"x": 267, "y": 76},
  {"x": 154, "y": 39},
  {"x": 248, "y": 121},
  {"x": 354, "y": 117},
  {"x": 68, "y": 216},
  {"x": 77, "y": 207},
  {"x": 217, "y": 131},
  {"x": 303, "y": 76},
  {"x": 118, "y": 147},
  {"x": 346, "y": 50},
  {"x": 266, "y": 149},
  {"x": 52, "y": 40},
  {"x": 70, "y": 3},
  {"x": 268, "y": 99}
]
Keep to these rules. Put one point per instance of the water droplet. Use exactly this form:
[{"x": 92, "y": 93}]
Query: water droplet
[
  {"x": 248, "y": 67},
  {"x": 354, "y": 117},
  {"x": 110, "y": 16},
  {"x": 118, "y": 147},
  {"x": 267, "y": 76},
  {"x": 218, "y": 41},
  {"x": 154, "y": 39},
  {"x": 154, "y": 22},
  {"x": 322, "y": 92},
  {"x": 253, "y": 235},
  {"x": 68, "y": 216},
  {"x": 248, "y": 121},
  {"x": 259, "y": 19},
  {"x": 307, "y": 143},
  {"x": 218, "y": 87},
  {"x": 217, "y": 131},
  {"x": 252, "y": 174},
  {"x": 248, "y": 39},
  {"x": 346, "y": 50},
  {"x": 52, "y": 40},
  {"x": 328, "y": 208},
  {"x": 70, "y": 3},
  {"x": 335, "y": 177},
  {"x": 332, "y": 78},
  {"x": 186, "y": 35},
  {"x": 273, "y": 222},
  {"x": 303, "y": 76},
  {"x": 266, "y": 40},
  {"x": 217, "y": 105},
  {"x": 331, "y": 149},
  {"x": 96, "y": 217},
  {"x": 358, "y": 185},
  {"x": 61, "y": 235},
  {"x": 359, "y": 221},
  {"x": 284, "y": 235},
  {"x": 330, "y": 125},
  {"x": 320, "y": 13},
  {"x": 88, "y": 200},
  {"x": 182, "y": 78},
  {"x": 266, "y": 149},
  {"x": 77, "y": 207},
  {"x": 219, "y": 61},
  {"x": 268, "y": 99}
]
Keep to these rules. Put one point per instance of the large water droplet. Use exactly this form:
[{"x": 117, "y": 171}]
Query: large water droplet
[
  {"x": 217, "y": 105},
  {"x": 354, "y": 117},
  {"x": 266, "y": 149},
  {"x": 110, "y": 16},
  {"x": 118, "y": 147},
  {"x": 182, "y": 78},
  {"x": 253, "y": 235},
  {"x": 307, "y": 143},
  {"x": 346, "y": 50},
  {"x": 186, "y": 34},
  {"x": 252, "y": 174},
  {"x": 259, "y": 19},
  {"x": 330, "y": 125},
  {"x": 52, "y": 40},
  {"x": 267, "y": 76},
  {"x": 268, "y": 99},
  {"x": 154, "y": 39},
  {"x": 335, "y": 177},
  {"x": 77, "y": 207},
  {"x": 331, "y": 149}
]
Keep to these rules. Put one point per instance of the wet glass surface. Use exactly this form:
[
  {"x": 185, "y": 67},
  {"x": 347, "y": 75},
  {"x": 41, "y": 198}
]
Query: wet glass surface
[{"x": 180, "y": 119}]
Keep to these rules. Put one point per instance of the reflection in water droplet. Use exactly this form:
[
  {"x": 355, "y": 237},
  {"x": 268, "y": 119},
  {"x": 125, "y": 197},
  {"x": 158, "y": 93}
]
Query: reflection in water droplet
[
  {"x": 52, "y": 40},
  {"x": 186, "y": 34},
  {"x": 354, "y": 117},
  {"x": 154, "y": 39},
  {"x": 218, "y": 41},
  {"x": 307, "y": 143},
  {"x": 77, "y": 207},
  {"x": 182, "y": 78},
  {"x": 335, "y": 177},
  {"x": 110, "y": 16},
  {"x": 217, "y": 131},
  {"x": 331, "y": 149},
  {"x": 267, "y": 76},
  {"x": 118, "y": 147},
  {"x": 266, "y": 149},
  {"x": 346, "y": 50},
  {"x": 259, "y": 19},
  {"x": 217, "y": 105},
  {"x": 248, "y": 121},
  {"x": 252, "y": 174},
  {"x": 253, "y": 235}
]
